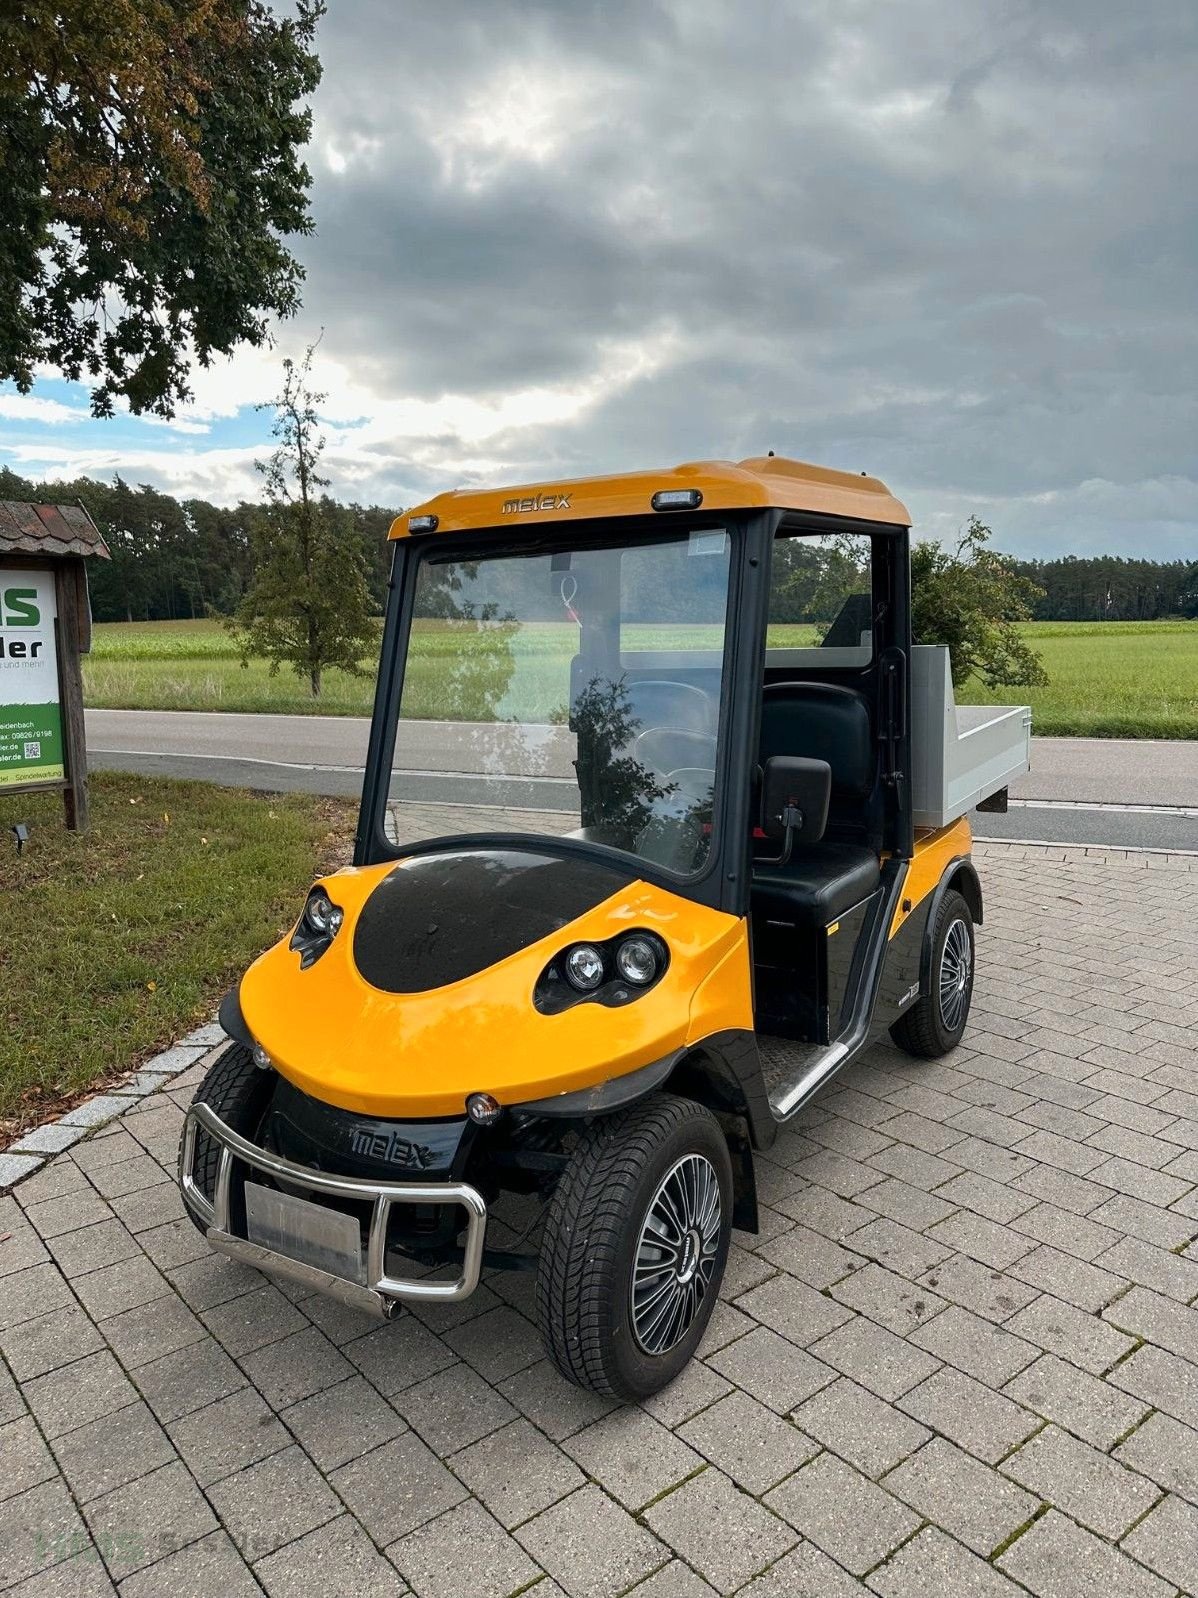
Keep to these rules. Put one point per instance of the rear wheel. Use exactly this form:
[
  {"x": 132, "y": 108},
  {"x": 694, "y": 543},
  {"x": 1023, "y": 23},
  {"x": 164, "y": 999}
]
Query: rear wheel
[
  {"x": 635, "y": 1244},
  {"x": 238, "y": 1092},
  {"x": 936, "y": 1022}
]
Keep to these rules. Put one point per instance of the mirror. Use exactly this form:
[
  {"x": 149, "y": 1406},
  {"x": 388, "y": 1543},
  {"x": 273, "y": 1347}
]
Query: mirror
[{"x": 795, "y": 793}]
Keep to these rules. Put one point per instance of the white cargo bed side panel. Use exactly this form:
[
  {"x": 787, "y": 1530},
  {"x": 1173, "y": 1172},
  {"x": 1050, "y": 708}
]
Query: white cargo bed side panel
[{"x": 959, "y": 757}]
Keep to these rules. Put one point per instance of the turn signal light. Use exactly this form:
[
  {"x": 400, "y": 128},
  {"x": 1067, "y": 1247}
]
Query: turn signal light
[{"x": 483, "y": 1110}]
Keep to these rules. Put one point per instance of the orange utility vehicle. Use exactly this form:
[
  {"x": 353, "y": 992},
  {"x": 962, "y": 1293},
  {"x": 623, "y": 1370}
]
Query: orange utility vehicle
[{"x": 662, "y": 823}]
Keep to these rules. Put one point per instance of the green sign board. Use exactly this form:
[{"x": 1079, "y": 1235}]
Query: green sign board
[{"x": 30, "y": 712}]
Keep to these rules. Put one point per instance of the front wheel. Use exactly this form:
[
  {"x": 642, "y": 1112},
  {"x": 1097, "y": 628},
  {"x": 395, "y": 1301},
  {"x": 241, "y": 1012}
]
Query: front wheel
[
  {"x": 635, "y": 1244},
  {"x": 936, "y": 1023}
]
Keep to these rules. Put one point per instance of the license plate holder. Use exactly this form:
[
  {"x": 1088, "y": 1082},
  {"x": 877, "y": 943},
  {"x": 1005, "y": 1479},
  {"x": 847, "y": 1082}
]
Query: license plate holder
[{"x": 303, "y": 1231}]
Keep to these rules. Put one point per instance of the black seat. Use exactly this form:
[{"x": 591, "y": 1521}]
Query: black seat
[
  {"x": 818, "y": 884},
  {"x": 822, "y": 880}
]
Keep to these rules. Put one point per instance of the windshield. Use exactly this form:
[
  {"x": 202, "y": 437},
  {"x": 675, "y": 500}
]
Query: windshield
[{"x": 568, "y": 689}]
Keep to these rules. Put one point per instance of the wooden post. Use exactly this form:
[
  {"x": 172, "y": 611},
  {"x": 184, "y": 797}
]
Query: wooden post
[{"x": 68, "y": 579}]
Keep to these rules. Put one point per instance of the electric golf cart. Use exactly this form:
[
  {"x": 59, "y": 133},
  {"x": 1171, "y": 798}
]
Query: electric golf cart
[{"x": 662, "y": 823}]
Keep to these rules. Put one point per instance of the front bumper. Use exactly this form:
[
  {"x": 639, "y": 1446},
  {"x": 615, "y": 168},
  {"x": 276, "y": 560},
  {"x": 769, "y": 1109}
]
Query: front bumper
[{"x": 382, "y": 1294}]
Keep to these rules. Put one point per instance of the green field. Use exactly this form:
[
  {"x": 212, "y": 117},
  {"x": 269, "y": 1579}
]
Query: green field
[
  {"x": 120, "y": 939},
  {"x": 1107, "y": 679}
]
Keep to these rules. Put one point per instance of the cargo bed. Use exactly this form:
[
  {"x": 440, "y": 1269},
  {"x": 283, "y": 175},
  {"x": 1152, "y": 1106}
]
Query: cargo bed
[{"x": 961, "y": 754}]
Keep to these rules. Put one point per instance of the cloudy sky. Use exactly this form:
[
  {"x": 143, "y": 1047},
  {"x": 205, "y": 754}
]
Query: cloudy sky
[{"x": 953, "y": 243}]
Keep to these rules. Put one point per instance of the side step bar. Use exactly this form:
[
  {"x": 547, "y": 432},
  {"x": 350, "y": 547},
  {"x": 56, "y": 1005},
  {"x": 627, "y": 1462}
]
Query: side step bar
[{"x": 788, "y": 1098}]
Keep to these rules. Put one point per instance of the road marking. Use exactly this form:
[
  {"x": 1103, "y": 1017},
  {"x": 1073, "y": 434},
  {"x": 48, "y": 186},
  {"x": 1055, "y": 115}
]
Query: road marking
[
  {"x": 1082, "y": 843},
  {"x": 1184, "y": 812}
]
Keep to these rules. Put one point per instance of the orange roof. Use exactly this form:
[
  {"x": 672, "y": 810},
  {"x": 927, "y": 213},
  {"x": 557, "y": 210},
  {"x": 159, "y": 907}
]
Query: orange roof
[{"x": 765, "y": 480}]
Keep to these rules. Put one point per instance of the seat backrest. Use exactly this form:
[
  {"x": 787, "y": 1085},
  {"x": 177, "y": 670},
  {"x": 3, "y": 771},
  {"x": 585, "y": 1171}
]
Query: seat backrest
[{"x": 827, "y": 722}]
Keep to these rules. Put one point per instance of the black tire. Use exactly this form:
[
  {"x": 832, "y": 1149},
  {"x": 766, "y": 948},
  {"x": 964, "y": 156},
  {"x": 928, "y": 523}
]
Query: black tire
[
  {"x": 594, "y": 1226},
  {"x": 239, "y": 1093},
  {"x": 935, "y": 1023}
]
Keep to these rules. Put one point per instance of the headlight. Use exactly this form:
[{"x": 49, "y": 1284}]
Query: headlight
[
  {"x": 584, "y": 967},
  {"x": 318, "y": 926},
  {"x": 612, "y": 972},
  {"x": 637, "y": 961}
]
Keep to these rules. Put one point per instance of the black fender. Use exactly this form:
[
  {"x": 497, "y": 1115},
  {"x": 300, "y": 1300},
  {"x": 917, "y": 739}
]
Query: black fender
[
  {"x": 723, "y": 1072},
  {"x": 230, "y": 1017},
  {"x": 961, "y": 875}
]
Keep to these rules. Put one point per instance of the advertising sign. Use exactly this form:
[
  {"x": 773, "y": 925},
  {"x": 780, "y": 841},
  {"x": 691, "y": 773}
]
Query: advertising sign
[{"x": 30, "y": 711}]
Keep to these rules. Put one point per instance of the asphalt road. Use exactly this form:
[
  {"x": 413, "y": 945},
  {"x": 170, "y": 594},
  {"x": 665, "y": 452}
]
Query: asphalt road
[{"x": 1120, "y": 792}]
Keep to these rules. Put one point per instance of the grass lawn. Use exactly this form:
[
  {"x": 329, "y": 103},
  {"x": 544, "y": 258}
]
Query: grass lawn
[
  {"x": 1107, "y": 679},
  {"x": 120, "y": 939}
]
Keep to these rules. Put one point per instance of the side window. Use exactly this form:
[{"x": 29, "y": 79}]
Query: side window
[{"x": 821, "y": 604}]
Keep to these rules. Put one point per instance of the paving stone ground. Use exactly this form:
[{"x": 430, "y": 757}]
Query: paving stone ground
[{"x": 960, "y": 1358}]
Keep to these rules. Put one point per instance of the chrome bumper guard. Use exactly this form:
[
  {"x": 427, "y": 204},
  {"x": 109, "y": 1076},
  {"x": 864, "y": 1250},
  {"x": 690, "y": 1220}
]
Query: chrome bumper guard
[{"x": 382, "y": 1294}]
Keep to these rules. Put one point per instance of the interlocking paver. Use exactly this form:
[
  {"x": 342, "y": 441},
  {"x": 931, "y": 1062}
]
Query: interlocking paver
[
  {"x": 975, "y": 1346},
  {"x": 516, "y": 1472},
  {"x": 140, "y": 1522},
  {"x": 980, "y": 1421},
  {"x": 1124, "y": 1213},
  {"x": 75, "y": 1394},
  {"x": 805, "y": 1572},
  {"x": 632, "y": 1456},
  {"x": 275, "y": 1501},
  {"x": 726, "y": 1535},
  {"x": 1060, "y": 1328},
  {"x": 1091, "y": 1486},
  {"x": 843, "y": 1513},
  {"x": 111, "y": 1451},
  {"x": 342, "y": 1422},
  {"x": 749, "y": 1442},
  {"x": 1058, "y": 1559},
  {"x": 897, "y": 1247},
  {"x": 960, "y": 1494},
  {"x": 25, "y": 1461},
  {"x": 792, "y": 1308},
  {"x": 889, "y": 1299},
  {"x": 397, "y": 1487},
  {"x": 875, "y": 1358},
  {"x": 978, "y": 1288},
  {"x": 1024, "y": 1211},
  {"x": 463, "y": 1551},
  {"x": 1167, "y": 1541},
  {"x": 934, "y": 1563},
  {"x": 612, "y": 1553},
  {"x": 1092, "y": 1410},
  {"x": 1158, "y": 1320},
  {"x": 1166, "y": 1451},
  {"x": 210, "y": 1565},
  {"x": 227, "y": 1436}
]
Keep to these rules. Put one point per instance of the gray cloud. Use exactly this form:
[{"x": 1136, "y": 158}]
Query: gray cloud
[{"x": 955, "y": 244}]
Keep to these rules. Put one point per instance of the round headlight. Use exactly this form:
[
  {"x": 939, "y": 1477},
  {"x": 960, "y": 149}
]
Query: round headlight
[
  {"x": 637, "y": 961},
  {"x": 584, "y": 967},
  {"x": 323, "y": 916}
]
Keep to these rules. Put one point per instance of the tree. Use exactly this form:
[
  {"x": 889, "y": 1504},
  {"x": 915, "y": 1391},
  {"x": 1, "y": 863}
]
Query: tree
[
  {"x": 150, "y": 166},
  {"x": 970, "y": 599},
  {"x": 308, "y": 604}
]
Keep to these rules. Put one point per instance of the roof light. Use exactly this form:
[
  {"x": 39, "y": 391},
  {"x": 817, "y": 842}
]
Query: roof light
[
  {"x": 678, "y": 499},
  {"x": 422, "y": 524}
]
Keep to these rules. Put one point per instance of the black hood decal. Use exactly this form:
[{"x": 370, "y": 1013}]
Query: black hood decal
[{"x": 441, "y": 917}]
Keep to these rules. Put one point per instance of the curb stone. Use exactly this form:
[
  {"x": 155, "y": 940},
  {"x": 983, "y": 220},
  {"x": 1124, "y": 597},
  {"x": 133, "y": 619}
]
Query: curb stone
[{"x": 31, "y": 1151}]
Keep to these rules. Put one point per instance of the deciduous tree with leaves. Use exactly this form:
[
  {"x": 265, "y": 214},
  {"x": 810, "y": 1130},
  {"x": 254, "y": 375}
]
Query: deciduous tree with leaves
[
  {"x": 970, "y": 599},
  {"x": 150, "y": 170},
  {"x": 308, "y": 604}
]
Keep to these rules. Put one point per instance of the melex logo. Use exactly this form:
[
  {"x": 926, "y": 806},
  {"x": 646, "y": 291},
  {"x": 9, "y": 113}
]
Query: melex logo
[
  {"x": 18, "y": 609},
  {"x": 389, "y": 1147},
  {"x": 518, "y": 507}
]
